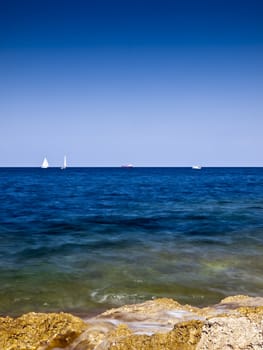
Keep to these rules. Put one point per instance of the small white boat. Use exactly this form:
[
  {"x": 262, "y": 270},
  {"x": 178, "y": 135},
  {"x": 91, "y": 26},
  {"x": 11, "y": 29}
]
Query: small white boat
[
  {"x": 45, "y": 164},
  {"x": 196, "y": 167},
  {"x": 127, "y": 166},
  {"x": 64, "y": 163}
]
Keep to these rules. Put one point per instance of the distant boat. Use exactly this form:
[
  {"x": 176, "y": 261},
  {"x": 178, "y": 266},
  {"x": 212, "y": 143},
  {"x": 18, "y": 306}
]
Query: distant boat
[
  {"x": 196, "y": 167},
  {"x": 127, "y": 166},
  {"x": 45, "y": 164},
  {"x": 64, "y": 163}
]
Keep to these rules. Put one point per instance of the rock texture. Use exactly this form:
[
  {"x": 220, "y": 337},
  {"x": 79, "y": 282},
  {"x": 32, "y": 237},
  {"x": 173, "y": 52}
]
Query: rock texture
[
  {"x": 235, "y": 323},
  {"x": 39, "y": 331}
]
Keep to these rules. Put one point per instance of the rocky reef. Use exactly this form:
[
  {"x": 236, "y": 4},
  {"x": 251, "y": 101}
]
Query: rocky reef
[{"x": 163, "y": 324}]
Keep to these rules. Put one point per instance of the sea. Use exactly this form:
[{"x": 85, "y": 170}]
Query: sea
[{"x": 83, "y": 240}]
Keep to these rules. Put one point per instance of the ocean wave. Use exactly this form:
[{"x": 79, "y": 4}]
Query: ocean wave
[{"x": 102, "y": 297}]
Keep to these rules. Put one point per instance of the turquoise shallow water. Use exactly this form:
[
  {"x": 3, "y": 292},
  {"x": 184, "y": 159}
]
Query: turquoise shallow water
[{"x": 85, "y": 239}]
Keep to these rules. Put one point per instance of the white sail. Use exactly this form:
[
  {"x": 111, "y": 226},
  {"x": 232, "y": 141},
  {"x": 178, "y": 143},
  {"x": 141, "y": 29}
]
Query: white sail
[
  {"x": 45, "y": 164},
  {"x": 64, "y": 163}
]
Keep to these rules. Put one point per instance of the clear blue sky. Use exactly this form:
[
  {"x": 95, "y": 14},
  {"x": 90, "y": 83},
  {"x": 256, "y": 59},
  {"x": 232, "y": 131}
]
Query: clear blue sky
[{"x": 153, "y": 83}]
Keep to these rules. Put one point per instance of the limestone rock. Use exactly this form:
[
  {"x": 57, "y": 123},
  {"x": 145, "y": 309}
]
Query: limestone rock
[
  {"x": 235, "y": 333},
  {"x": 163, "y": 324},
  {"x": 185, "y": 336},
  {"x": 35, "y": 331}
]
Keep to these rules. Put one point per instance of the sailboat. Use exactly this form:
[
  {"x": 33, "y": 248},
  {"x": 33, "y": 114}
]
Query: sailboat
[
  {"x": 64, "y": 163},
  {"x": 45, "y": 164}
]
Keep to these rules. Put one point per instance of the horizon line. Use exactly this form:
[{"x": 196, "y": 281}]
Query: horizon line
[{"x": 142, "y": 166}]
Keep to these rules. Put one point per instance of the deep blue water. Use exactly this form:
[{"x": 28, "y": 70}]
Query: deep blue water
[{"x": 84, "y": 239}]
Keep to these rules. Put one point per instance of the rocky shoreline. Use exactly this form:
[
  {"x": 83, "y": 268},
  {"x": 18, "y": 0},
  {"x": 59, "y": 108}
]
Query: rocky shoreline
[{"x": 235, "y": 323}]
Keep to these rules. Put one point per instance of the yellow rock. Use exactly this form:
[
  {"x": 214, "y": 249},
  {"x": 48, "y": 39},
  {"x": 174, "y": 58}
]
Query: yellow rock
[
  {"x": 34, "y": 331},
  {"x": 161, "y": 324},
  {"x": 185, "y": 336}
]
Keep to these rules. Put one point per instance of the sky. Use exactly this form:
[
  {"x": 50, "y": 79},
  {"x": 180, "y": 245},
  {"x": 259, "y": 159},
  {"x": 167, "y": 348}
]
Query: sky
[{"x": 149, "y": 82}]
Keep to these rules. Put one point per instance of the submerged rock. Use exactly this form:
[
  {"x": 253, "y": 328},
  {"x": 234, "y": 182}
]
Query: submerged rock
[{"x": 163, "y": 324}]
